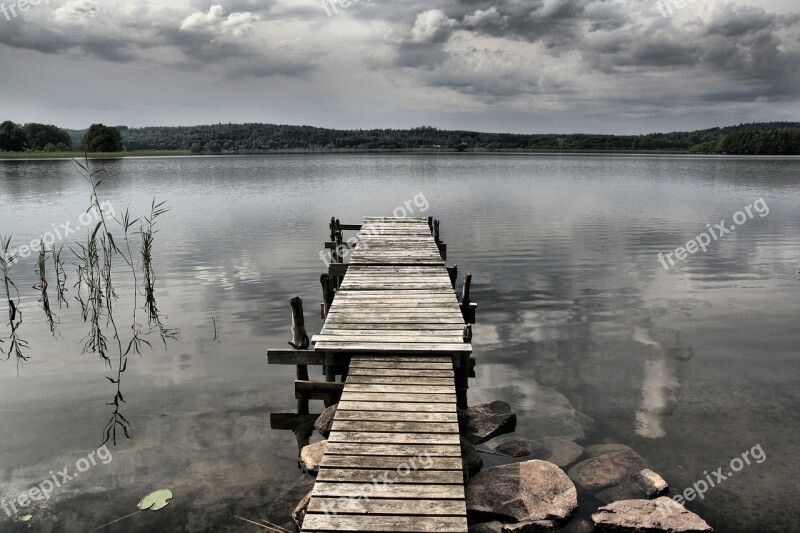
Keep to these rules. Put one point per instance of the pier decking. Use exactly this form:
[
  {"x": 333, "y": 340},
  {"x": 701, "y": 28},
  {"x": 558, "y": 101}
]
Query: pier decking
[{"x": 397, "y": 332}]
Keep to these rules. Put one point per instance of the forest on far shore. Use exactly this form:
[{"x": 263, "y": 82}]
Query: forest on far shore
[{"x": 769, "y": 138}]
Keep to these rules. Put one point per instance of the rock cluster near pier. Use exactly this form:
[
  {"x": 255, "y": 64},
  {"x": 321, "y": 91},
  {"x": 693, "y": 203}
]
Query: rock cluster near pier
[{"x": 538, "y": 487}]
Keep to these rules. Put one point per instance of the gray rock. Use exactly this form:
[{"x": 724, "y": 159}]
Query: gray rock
[
  {"x": 516, "y": 447},
  {"x": 645, "y": 484},
  {"x": 523, "y": 492},
  {"x": 486, "y": 421},
  {"x": 607, "y": 469},
  {"x": 599, "y": 449},
  {"x": 557, "y": 450},
  {"x": 537, "y": 526},
  {"x": 311, "y": 456},
  {"x": 647, "y": 516},
  {"x": 299, "y": 513},
  {"x": 324, "y": 422},
  {"x": 471, "y": 459}
]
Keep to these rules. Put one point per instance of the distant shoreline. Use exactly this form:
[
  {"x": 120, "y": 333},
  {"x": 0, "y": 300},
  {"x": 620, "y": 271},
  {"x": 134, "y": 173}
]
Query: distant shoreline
[{"x": 12, "y": 156}]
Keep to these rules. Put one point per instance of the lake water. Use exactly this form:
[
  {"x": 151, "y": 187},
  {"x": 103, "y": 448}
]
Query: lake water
[{"x": 579, "y": 327}]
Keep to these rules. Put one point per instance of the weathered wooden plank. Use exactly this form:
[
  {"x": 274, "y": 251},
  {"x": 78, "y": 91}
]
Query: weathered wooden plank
[
  {"x": 353, "y": 490},
  {"x": 410, "y": 450},
  {"x": 394, "y": 474},
  {"x": 421, "y": 348},
  {"x": 391, "y": 406},
  {"x": 414, "y": 507},
  {"x": 397, "y": 388},
  {"x": 400, "y": 397},
  {"x": 381, "y": 462},
  {"x": 392, "y": 380},
  {"x": 385, "y": 338},
  {"x": 421, "y": 365},
  {"x": 345, "y": 415},
  {"x": 406, "y": 427},
  {"x": 402, "y": 372},
  {"x": 393, "y": 438}
]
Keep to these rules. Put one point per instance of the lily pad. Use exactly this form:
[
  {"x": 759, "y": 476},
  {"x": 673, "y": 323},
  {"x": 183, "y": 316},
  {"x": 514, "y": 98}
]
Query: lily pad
[{"x": 156, "y": 500}]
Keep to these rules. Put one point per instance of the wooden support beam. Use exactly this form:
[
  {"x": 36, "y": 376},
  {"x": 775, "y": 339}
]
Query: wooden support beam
[
  {"x": 317, "y": 390},
  {"x": 350, "y": 227},
  {"x": 295, "y": 357},
  {"x": 337, "y": 270},
  {"x": 442, "y": 246}
]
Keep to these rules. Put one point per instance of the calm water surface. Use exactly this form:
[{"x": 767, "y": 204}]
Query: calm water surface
[{"x": 579, "y": 326}]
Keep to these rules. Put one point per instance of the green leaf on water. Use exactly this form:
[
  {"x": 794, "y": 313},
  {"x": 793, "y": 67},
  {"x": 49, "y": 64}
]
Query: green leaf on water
[{"x": 156, "y": 500}]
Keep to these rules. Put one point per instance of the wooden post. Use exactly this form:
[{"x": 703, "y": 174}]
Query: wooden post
[
  {"x": 436, "y": 232},
  {"x": 332, "y": 227},
  {"x": 465, "y": 291},
  {"x": 468, "y": 333},
  {"x": 327, "y": 294},
  {"x": 338, "y": 240},
  {"x": 430, "y": 224},
  {"x": 300, "y": 340},
  {"x": 453, "y": 272}
]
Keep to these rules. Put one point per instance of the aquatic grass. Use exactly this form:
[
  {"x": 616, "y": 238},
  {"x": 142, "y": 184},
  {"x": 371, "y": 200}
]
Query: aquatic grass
[
  {"x": 44, "y": 300},
  {"x": 16, "y": 343},
  {"x": 147, "y": 234},
  {"x": 61, "y": 277}
]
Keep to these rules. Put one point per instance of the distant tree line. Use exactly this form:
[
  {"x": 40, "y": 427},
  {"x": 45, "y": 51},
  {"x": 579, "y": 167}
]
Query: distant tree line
[
  {"x": 772, "y": 138},
  {"x": 33, "y": 137},
  {"x": 249, "y": 138},
  {"x": 46, "y": 138}
]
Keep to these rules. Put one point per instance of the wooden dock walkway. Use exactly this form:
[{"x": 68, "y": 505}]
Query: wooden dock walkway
[{"x": 396, "y": 333}]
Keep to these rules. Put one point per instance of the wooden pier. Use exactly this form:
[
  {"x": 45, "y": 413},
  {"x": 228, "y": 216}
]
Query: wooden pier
[{"x": 398, "y": 336}]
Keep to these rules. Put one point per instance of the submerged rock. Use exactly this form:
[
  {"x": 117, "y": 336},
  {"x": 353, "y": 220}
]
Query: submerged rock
[
  {"x": 644, "y": 484},
  {"x": 607, "y": 468},
  {"x": 557, "y": 450},
  {"x": 537, "y": 526},
  {"x": 647, "y": 516},
  {"x": 324, "y": 422},
  {"x": 523, "y": 492},
  {"x": 311, "y": 456},
  {"x": 279, "y": 509},
  {"x": 516, "y": 448},
  {"x": 483, "y": 422},
  {"x": 471, "y": 459}
]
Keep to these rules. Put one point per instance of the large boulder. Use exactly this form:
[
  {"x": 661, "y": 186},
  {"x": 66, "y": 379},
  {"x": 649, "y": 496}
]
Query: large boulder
[
  {"x": 606, "y": 469},
  {"x": 471, "y": 459},
  {"x": 522, "y": 492},
  {"x": 324, "y": 422},
  {"x": 311, "y": 456},
  {"x": 647, "y": 516},
  {"x": 483, "y": 422},
  {"x": 644, "y": 484}
]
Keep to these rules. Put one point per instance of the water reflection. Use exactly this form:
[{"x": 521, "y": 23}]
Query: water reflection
[{"x": 563, "y": 251}]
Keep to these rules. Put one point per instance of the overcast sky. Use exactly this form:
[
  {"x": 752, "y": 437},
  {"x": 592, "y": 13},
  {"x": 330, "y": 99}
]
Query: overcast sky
[{"x": 534, "y": 66}]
